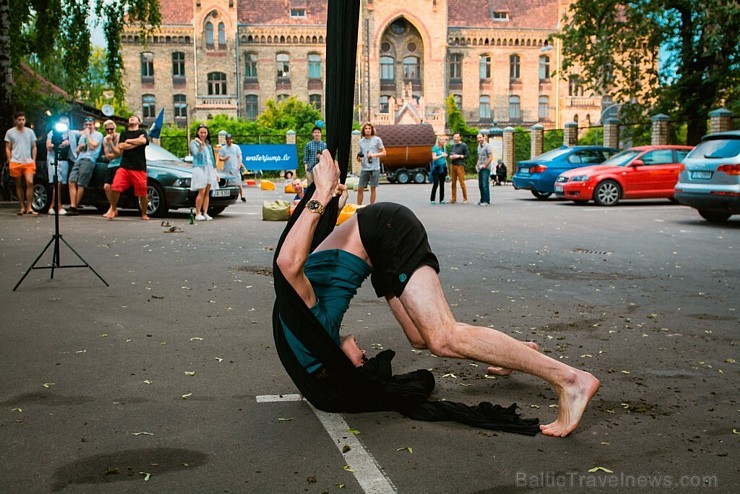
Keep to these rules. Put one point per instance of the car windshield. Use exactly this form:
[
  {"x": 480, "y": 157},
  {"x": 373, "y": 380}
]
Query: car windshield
[
  {"x": 621, "y": 159},
  {"x": 156, "y": 153},
  {"x": 716, "y": 149},
  {"x": 552, "y": 154}
]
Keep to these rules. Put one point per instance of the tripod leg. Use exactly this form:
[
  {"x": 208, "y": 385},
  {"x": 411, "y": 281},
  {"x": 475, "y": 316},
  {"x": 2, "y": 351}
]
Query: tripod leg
[
  {"x": 30, "y": 268},
  {"x": 83, "y": 260}
]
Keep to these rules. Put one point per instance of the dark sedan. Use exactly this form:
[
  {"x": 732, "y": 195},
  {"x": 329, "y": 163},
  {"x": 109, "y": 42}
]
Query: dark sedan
[{"x": 168, "y": 187}]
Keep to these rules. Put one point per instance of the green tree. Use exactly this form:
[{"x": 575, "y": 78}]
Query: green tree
[
  {"x": 56, "y": 33},
  {"x": 701, "y": 38}
]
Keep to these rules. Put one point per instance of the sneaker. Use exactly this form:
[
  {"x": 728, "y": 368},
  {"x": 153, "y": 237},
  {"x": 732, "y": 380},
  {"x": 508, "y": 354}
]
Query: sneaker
[
  {"x": 465, "y": 201},
  {"x": 244, "y": 199},
  {"x": 72, "y": 211},
  {"x": 453, "y": 201},
  {"x": 433, "y": 203},
  {"x": 208, "y": 218},
  {"x": 441, "y": 202},
  {"x": 51, "y": 211},
  {"x": 62, "y": 212},
  {"x": 200, "y": 217}
]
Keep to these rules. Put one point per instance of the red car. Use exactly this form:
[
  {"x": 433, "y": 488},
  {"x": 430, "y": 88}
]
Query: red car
[{"x": 642, "y": 172}]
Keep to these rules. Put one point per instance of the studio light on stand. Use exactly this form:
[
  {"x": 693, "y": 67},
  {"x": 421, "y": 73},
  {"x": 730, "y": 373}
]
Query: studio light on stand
[{"x": 57, "y": 138}]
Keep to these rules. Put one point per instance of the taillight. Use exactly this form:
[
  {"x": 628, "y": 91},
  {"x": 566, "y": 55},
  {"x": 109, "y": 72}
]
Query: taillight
[
  {"x": 729, "y": 169},
  {"x": 537, "y": 169},
  {"x": 682, "y": 168}
]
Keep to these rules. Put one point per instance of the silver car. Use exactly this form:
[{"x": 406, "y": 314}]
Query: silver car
[{"x": 710, "y": 178}]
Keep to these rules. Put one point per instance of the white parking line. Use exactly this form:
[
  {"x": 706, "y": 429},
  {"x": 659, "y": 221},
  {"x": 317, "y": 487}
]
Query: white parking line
[{"x": 364, "y": 467}]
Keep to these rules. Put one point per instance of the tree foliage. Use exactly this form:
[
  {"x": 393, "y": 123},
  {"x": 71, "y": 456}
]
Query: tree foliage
[{"x": 614, "y": 48}]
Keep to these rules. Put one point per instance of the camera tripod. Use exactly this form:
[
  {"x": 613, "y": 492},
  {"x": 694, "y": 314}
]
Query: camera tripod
[{"x": 57, "y": 237}]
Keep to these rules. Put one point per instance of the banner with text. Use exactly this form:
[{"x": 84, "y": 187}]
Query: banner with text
[{"x": 269, "y": 156}]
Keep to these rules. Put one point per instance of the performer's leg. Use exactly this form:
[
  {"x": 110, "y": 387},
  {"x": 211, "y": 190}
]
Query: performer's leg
[{"x": 427, "y": 310}]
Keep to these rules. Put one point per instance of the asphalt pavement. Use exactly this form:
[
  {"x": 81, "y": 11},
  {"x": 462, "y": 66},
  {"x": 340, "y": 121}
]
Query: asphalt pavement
[{"x": 167, "y": 380}]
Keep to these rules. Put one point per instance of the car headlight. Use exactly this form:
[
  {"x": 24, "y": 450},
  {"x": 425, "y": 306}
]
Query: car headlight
[
  {"x": 182, "y": 182},
  {"x": 579, "y": 178}
]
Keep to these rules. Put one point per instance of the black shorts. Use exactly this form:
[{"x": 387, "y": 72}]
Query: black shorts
[
  {"x": 110, "y": 174},
  {"x": 396, "y": 242}
]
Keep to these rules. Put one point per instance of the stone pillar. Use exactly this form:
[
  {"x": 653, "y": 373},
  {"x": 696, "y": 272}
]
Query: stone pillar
[
  {"x": 660, "y": 131},
  {"x": 570, "y": 134},
  {"x": 720, "y": 120},
  {"x": 508, "y": 151},
  {"x": 611, "y": 133},
  {"x": 355, "y": 166},
  {"x": 290, "y": 138},
  {"x": 537, "y": 140}
]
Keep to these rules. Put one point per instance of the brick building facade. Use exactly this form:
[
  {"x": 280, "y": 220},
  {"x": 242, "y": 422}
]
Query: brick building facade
[{"x": 231, "y": 56}]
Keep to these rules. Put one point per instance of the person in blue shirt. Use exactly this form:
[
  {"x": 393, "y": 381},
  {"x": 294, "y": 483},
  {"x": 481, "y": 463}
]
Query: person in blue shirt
[
  {"x": 439, "y": 169},
  {"x": 205, "y": 177}
]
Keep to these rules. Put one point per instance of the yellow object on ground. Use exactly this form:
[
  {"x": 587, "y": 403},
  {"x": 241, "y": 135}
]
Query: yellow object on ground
[
  {"x": 267, "y": 185},
  {"x": 352, "y": 182},
  {"x": 346, "y": 213},
  {"x": 277, "y": 210}
]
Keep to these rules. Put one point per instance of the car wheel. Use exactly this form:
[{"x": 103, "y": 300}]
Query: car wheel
[
  {"x": 420, "y": 177},
  {"x": 607, "y": 193},
  {"x": 402, "y": 177},
  {"x": 157, "y": 207},
  {"x": 714, "y": 216},
  {"x": 41, "y": 197},
  {"x": 216, "y": 210},
  {"x": 541, "y": 195}
]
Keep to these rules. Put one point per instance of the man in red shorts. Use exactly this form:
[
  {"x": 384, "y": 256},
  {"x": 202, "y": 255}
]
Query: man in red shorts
[
  {"x": 20, "y": 151},
  {"x": 132, "y": 172}
]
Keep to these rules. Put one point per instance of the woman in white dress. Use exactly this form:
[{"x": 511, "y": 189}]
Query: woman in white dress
[{"x": 205, "y": 177}]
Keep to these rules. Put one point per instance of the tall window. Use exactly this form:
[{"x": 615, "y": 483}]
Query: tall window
[
  {"x": 544, "y": 107},
  {"x": 283, "y": 65},
  {"x": 384, "y": 104},
  {"x": 458, "y": 100},
  {"x": 250, "y": 65},
  {"x": 411, "y": 69},
  {"x": 544, "y": 68},
  {"x": 315, "y": 101},
  {"x": 455, "y": 66},
  {"x": 209, "y": 35},
  {"x": 147, "y": 65},
  {"x": 178, "y": 64},
  {"x": 514, "y": 67},
  {"x": 148, "y": 108},
  {"x": 314, "y": 66},
  {"x": 221, "y": 35},
  {"x": 216, "y": 83},
  {"x": 386, "y": 68},
  {"x": 485, "y": 108},
  {"x": 515, "y": 110},
  {"x": 251, "y": 106},
  {"x": 574, "y": 86},
  {"x": 181, "y": 105},
  {"x": 485, "y": 67}
]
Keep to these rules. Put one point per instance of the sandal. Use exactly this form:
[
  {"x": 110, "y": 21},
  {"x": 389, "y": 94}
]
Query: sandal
[
  {"x": 32, "y": 212},
  {"x": 20, "y": 213}
]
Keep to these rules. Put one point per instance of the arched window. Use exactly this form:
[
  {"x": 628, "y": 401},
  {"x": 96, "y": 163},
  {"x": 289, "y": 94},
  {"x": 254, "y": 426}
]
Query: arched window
[
  {"x": 209, "y": 35},
  {"x": 251, "y": 107},
  {"x": 544, "y": 107},
  {"x": 147, "y": 65},
  {"x": 411, "y": 69},
  {"x": 485, "y": 67},
  {"x": 148, "y": 108},
  {"x": 515, "y": 111},
  {"x": 544, "y": 68},
  {"x": 514, "y": 67},
  {"x": 314, "y": 66},
  {"x": 216, "y": 83},
  {"x": 283, "y": 65},
  {"x": 386, "y": 68},
  {"x": 250, "y": 65},
  {"x": 221, "y": 35},
  {"x": 485, "y": 108}
]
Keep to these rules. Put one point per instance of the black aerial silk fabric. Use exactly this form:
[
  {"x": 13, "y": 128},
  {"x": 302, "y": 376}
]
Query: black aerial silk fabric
[{"x": 372, "y": 387}]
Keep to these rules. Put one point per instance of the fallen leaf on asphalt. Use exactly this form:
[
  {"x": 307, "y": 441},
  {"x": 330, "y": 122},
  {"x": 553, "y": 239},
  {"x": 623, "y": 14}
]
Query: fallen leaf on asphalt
[
  {"x": 346, "y": 449},
  {"x": 16, "y": 409},
  {"x": 348, "y": 468},
  {"x": 729, "y": 360},
  {"x": 586, "y": 355},
  {"x": 81, "y": 351},
  {"x": 147, "y": 381},
  {"x": 194, "y": 338},
  {"x": 341, "y": 486},
  {"x": 284, "y": 419},
  {"x": 534, "y": 406},
  {"x": 48, "y": 385},
  {"x": 596, "y": 469},
  {"x": 407, "y": 448},
  {"x": 186, "y": 396},
  {"x": 453, "y": 376},
  {"x": 189, "y": 373},
  {"x": 142, "y": 434},
  {"x": 219, "y": 359},
  {"x": 353, "y": 431},
  {"x": 626, "y": 372},
  {"x": 735, "y": 431},
  {"x": 146, "y": 476}
]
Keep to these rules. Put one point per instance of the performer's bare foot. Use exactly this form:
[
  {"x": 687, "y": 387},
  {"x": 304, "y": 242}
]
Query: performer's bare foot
[
  {"x": 112, "y": 215},
  {"x": 572, "y": 401},
  {"x": 503, "y": 371},
  {"x": 145, "y": 218},
  {"x": 109, "y": 214}
]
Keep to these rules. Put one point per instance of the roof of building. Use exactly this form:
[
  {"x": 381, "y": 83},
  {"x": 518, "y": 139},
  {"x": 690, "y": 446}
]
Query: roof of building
[{"x": 529, "y": 14}]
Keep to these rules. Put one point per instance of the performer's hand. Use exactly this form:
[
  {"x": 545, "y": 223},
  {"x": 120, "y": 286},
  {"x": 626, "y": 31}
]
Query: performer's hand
[{"x": 326, "y": 174}]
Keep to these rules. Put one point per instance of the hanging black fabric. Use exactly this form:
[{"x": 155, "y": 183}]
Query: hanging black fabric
[{"x": 341, "y": 387}]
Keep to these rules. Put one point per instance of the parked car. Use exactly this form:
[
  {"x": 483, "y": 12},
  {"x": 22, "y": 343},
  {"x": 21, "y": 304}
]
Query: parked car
[
  {"x": 538, "y": 175},
  {"x": 168, "y": 187},
  {"x": 642, "y": 172},
  {"x": 710, "y": 177}
]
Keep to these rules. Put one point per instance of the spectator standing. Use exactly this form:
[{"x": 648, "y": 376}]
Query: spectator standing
[
  {"x": 132, "y": 171},
  {"x": 20, "y": 151},
  {"x": 88, "y": 149},
  {"x": 231, "y": 155},
  {"x": 113, "y": 155},
  {"x": 311, "y": 153},
  {"x": 371, "y": 149},
  {"x": 439, "y": 169},
  {"x": 458, "y": 157},
  {"x": 500, "y": 172},
  {"x": 483, "y": 167},
  {"x": 204, "y": 171},
  {"x": 60, "y": 170}
]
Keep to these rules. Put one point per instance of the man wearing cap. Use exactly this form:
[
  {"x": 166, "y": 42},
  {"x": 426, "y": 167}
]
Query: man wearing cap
[
  {"x": 88, "y": 149},
  {"x": 231, "y": 155}
]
